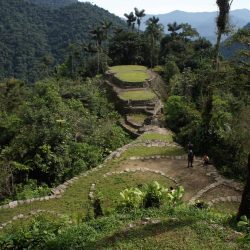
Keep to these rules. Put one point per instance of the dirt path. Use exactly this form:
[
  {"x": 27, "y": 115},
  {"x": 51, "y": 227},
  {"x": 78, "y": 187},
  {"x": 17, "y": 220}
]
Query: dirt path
[{"x": 194, "y": 179}]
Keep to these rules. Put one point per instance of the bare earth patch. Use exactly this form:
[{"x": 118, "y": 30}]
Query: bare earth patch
[{"x": 192, "y": 179}]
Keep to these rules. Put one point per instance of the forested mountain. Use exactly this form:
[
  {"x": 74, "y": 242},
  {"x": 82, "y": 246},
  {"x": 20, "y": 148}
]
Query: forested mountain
[
  {"x": 53, "y": 3},
  {"x": 34, "y": 38},
  {"x": 231, "y": 50},
  {"x": 204, "y": 22}
]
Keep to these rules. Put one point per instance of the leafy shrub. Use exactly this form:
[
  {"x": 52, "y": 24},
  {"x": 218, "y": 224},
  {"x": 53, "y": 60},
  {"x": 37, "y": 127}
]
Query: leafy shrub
[
  {"x": 179, "y": 113},
  {"x": 33, "y": 236},
  {"x": 154, "y": 194},
  {"x": 131, "y": 198},
  {"x": 151, "y": 195},
  {"x": 31, "y": 190},
  {"x": 175, "y": 196},
  {"x": 75, "y": 237},
  {"x": 244, "y": 224}
]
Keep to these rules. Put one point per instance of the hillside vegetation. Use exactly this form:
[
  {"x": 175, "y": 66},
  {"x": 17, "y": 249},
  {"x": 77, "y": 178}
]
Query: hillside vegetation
[
  {"x": 35, "y": 38},
  {"x": 171, "y": 170}
]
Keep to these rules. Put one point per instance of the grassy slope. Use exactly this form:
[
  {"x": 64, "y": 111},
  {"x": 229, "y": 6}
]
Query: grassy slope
[
  {"x": 75, "y": 199},
  {"x": 111, "y": 195},
  {"x": 179, "y": 228},
  {"x": 137, "y": 118}
]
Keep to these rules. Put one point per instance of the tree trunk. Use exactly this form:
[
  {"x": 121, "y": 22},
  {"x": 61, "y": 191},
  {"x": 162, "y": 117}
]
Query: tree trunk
[
  {"x": 244, "y": 208},
  {"x": 217, "y": 51}
]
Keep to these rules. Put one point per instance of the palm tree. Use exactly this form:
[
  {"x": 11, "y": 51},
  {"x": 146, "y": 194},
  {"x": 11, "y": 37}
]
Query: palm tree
[
  {"x": 154, "y": 31},
  {"x": 98, "y": 35},
  {"x": 131, "y": 18},
  {"x": 173, "y": 28},
  {"x": 222, "y": 23},
  {"x": 106, "y": 25},
  {"x": 139, "y": 15}
]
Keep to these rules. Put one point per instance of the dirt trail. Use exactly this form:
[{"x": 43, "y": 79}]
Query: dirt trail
[{"x": 192, "y": 179}]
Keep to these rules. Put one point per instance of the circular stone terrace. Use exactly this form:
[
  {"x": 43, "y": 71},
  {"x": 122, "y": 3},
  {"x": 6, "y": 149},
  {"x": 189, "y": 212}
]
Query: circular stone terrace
[{"x": 130, "y": 73}]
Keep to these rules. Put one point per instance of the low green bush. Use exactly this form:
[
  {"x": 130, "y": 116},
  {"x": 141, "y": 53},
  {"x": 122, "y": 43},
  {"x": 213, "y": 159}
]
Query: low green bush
[
  {"x": 35, "y": 235},
  {"x": 154, "y": 195},
  {"x": 31, "y": 190},
  {"x": 150, "y": 195}
]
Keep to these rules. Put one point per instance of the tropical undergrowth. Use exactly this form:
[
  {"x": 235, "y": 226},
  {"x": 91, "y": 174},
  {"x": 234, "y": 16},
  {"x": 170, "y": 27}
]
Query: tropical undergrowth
[
  {"x": 52, "y": 131},
  {"x": 203, "y": 226}
]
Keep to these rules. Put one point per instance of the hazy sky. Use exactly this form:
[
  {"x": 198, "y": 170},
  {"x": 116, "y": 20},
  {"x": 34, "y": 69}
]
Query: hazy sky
[{"x": 119, "y": 7}]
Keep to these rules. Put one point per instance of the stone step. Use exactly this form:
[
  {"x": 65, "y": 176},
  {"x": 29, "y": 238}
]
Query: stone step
[
  {"x": 133, "y": 132},
  {"x": 133, "y": 124}
]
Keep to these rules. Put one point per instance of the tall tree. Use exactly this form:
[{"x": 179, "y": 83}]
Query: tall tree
[
  {"x": 98, "y": 35},
  {"x": 173, "y": 28},
  {"x": 139, "y": 15},
  {"x": 222, "y": 25},
  {"x": 131, "y": 18},
  {"x": 154, "y": 31},
  {"x": 242, "y": 134},
  {"x": 106, "y": 26}
]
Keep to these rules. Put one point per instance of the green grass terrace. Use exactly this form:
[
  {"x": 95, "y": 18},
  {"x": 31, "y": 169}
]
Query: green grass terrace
[
  {"x": 156, "y": 137},
  {"x": 137, "y": 118},
  {"x": 137, "y": 95},
  {"x": 130, "y": 73}
]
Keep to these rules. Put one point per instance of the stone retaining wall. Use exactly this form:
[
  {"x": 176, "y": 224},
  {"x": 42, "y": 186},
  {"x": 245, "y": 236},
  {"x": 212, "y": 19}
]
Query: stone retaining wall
[
  {"x": 30, "y": 215},
  {"x": 92, "y": 188},
  {"x": 58, "y": 191},
  {"x": 219, "y": 180},
  {"x": 122, "y": 84}
]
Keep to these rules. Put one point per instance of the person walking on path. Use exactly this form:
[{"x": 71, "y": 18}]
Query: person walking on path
[
  {"x": 190, "y": 158},
  {"x": 190, "y": 154}
]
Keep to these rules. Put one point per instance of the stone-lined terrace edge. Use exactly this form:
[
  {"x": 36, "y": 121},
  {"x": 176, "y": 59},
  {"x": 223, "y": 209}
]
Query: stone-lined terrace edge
[
  {"x": 30, "y": 215},
  {"x": 224, "y": 199},
  {"x": 92, "y": 189},
  {"x": 58, "y": 191}
]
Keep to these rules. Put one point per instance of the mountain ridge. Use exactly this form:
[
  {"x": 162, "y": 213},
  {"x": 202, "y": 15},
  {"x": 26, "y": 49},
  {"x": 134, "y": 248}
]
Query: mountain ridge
[
  {"x": 201, "y": 20},
  {"x": 53, "y": 3}
]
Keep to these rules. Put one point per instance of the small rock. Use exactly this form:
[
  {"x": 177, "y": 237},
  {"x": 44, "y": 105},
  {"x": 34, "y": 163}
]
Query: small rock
[{"x": 13, "y": 204}]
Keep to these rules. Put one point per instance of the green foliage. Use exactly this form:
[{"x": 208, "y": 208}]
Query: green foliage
[
  {"x": 131, "y": 198},
  {"x": 154, "y": 195},
  {"x": 35, "y": 235},
  {"x": 31, "y": 190},
  {"x": 196, "y": 226},
  {"x": 126, "y": 48},
  {"x": 53, "y": 3},
  {"x": 175, "y": 196},
  {"x": 180, "y": 113},
  {"x": 35, "y": 38},
  {"x": 244, "y": 224},
  {"x": 150, "y": 195},
  {"x": 170, "y": 69},
  {"x": 54, "y": 130}
]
